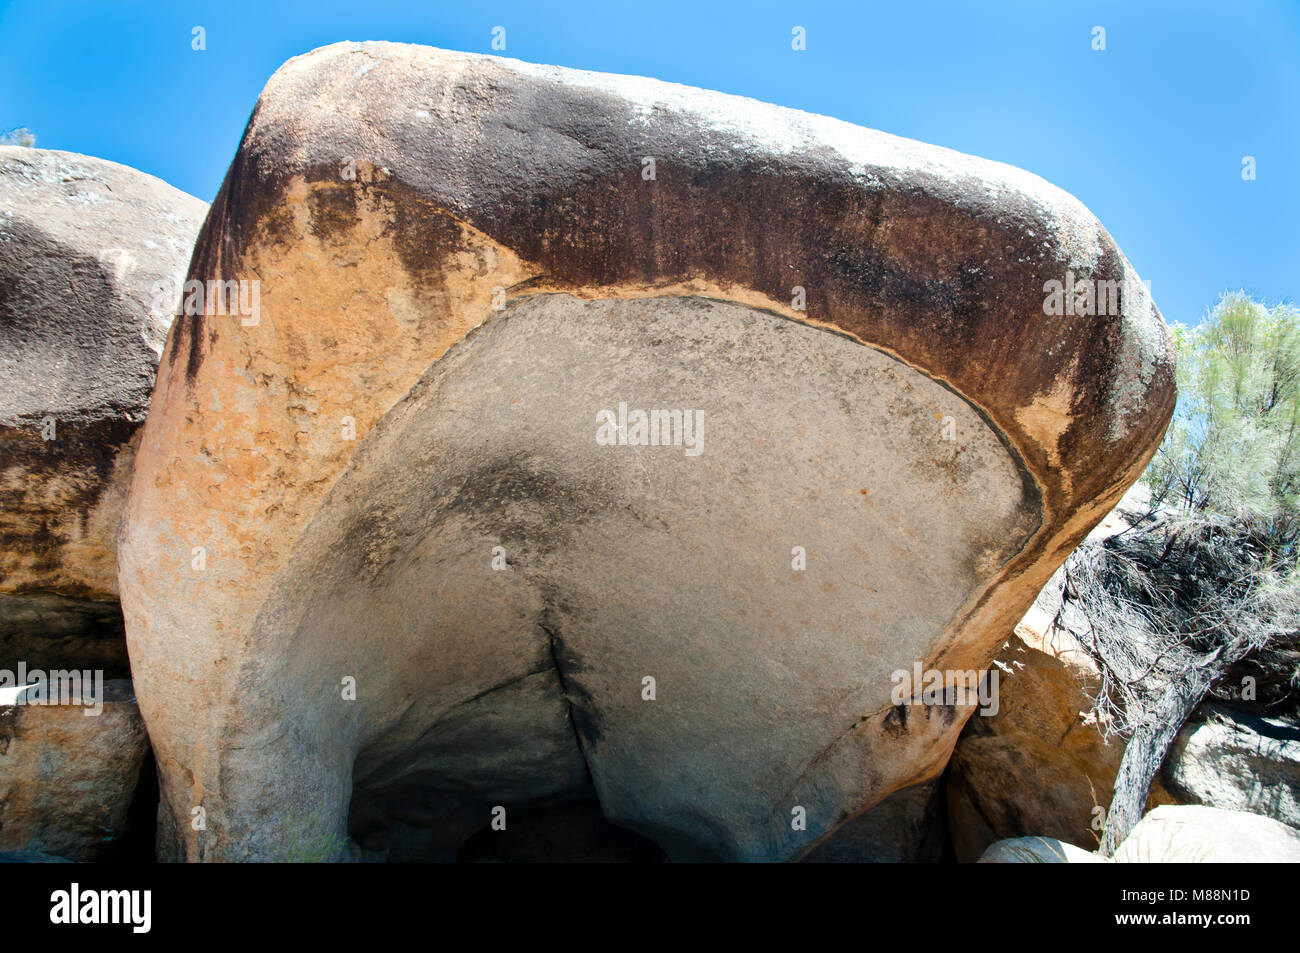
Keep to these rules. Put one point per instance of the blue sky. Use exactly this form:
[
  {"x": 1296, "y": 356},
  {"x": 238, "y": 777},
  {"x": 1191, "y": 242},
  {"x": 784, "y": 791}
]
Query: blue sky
[{"x": 1149, "y": 133}]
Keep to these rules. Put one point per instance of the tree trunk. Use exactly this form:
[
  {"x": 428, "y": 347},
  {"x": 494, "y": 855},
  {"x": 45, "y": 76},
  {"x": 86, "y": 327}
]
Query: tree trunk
[{"x": 1144, "y": 754}]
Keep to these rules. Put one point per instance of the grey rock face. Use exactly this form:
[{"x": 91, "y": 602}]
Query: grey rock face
[
  {"x": 626, "y": 563},
  {"x": 1229, "y": 759}
]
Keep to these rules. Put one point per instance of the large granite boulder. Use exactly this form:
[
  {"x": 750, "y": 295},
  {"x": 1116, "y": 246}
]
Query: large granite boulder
[
  {"x": 91, "y": 258},
  {"x": 400, "y": 549},
  {"x": 70, "y": 770}
]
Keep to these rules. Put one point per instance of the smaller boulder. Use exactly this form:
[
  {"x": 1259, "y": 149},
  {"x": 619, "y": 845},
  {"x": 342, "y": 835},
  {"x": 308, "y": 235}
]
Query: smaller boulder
[
  {"x": 67, "y": 776},
  {"x": 1230, "y": 759},
  {"x": 92, "y": 258},
  {"x": 1192, "y": 834},
  {"x": 1042, "y": 764},
  {"x": 1037, "y": 850}
]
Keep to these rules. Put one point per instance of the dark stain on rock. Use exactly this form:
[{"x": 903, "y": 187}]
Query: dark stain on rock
[
  {"x": 424, "y": 235},
  {"x": 332, "y": 213},
  {"x": 529, "y": 508},
  {"x": 938, "y": 270},
  {"x": 80, "y": 462},
  {"x": 895, "y": 721}
]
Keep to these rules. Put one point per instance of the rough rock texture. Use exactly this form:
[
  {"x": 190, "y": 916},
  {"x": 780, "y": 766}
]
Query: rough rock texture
[
  {"x": 1193, "y": 834},
  {"x": 82, "y": 243},
  {"x": 68, "y": 778},
  {"x": 1040, "y": 765},
  {"x": 380, "y": 195},
  {"x": 1229, "y": 759}
]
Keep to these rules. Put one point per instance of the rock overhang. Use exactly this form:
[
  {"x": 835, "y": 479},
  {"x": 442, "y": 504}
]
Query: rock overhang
[
  {"x": 636, "y": 557},
  {"x": 475, "y": 178}
]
